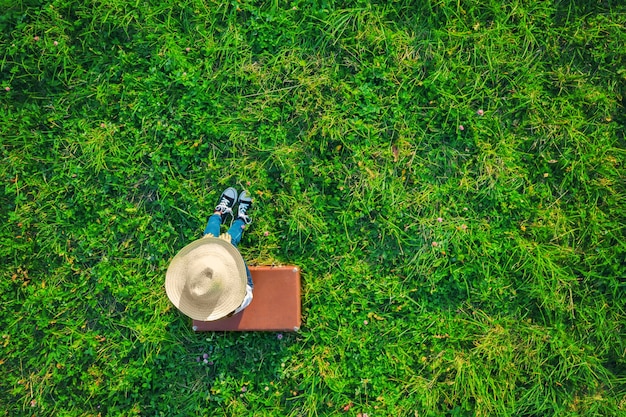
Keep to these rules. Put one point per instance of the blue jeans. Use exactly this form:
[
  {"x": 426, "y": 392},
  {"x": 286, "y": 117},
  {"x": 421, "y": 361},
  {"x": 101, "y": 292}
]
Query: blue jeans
[{"x": 235, "y": 232}]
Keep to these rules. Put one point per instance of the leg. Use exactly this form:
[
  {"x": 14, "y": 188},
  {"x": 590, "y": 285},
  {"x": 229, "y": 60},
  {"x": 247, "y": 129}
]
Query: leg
[
  {"x": 236, "y": 231},
  {"x": 213, "y": 225}
]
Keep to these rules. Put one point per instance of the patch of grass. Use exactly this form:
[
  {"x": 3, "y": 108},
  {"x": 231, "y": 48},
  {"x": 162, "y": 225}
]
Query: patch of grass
[{"x": 448, "y": 175}]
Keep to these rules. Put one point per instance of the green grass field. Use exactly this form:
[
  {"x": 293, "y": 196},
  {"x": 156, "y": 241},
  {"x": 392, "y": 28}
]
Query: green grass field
[{"x": 449, "y": 175}]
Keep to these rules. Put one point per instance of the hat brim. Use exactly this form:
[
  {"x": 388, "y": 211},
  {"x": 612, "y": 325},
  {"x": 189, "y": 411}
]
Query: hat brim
[{"x": 229, "y": 292}]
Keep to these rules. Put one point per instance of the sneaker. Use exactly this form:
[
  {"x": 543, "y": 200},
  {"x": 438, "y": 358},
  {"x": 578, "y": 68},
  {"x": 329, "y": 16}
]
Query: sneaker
[
  {"x": 245, "y": 204},
  {"x": 227, "y": 201}
]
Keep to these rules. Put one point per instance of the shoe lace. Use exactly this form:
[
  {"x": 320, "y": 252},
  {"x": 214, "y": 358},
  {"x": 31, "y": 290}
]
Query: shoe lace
[
  {"x": 223, "y": 206},
  {"x": 242, "y": 213}
]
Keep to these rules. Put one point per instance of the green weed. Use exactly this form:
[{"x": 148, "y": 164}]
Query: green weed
[{"x": 448, "y": 175}]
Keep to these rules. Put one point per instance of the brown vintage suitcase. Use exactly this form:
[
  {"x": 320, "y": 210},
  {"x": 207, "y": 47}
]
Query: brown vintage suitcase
[{"x": 275, "y": 306}]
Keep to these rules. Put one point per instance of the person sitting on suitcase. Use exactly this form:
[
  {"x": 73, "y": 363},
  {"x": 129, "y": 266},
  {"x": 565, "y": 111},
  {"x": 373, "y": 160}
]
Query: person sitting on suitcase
[{"x": 209, "y": 279}]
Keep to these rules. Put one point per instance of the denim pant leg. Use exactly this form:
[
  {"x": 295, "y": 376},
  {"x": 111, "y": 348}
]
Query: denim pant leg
[
  {"x": 213, "y": 226},
  {"x": 236, "y": 231}
]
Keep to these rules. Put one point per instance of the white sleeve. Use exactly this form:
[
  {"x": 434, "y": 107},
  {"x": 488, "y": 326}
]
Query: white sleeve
[{"x": 246, "y": 301}]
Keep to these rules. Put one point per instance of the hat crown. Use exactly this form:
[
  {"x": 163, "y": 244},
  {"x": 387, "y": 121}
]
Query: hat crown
[{"x": 203, "y": 282}]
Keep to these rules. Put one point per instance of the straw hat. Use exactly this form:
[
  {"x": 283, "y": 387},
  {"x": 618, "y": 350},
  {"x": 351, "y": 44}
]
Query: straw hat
[{"x": 207, "y": 279}]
